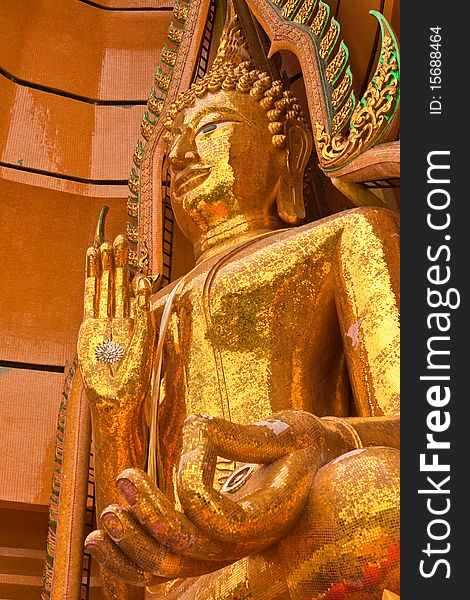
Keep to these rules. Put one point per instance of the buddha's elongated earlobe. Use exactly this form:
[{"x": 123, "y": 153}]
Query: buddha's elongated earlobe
[{"x": 289, "y": 198}]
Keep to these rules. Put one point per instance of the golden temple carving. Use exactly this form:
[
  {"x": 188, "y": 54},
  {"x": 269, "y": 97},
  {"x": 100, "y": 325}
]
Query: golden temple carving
[
  {"x": 341, "y": 91},
  {"x": 321, "y": 18},
  {"x": 371, "y": 117},
  {"x": 329, "y": 40},
  {"x": 305, "y": 11},
  {"x": 333, "y": 71}
]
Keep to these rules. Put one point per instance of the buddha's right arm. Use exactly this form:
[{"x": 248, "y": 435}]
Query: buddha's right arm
[
  {"x": 149, "y": 541},
  {"x": 367, "y": 298},
  {"x": 115, "y": 347},
  {"x": 120, "y": 440},
  {"x": 377, "y": 431},
  {"x": 216, "y": 527}
]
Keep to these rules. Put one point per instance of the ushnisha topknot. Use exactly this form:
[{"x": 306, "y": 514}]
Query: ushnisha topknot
[{"x": 232, "y": 70}]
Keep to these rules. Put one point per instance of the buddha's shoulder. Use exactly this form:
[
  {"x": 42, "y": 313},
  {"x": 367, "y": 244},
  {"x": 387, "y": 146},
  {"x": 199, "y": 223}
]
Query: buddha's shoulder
[
  {"x": 159, "y": 299},
  {"x": 302, "y": 244},
  {"x": 355, "y": 216},
  {"x": 323, "y": 230}
]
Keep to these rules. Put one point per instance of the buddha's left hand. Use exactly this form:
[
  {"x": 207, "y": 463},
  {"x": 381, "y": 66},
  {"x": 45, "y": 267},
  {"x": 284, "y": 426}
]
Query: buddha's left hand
[{"x": 150, "y": 541}]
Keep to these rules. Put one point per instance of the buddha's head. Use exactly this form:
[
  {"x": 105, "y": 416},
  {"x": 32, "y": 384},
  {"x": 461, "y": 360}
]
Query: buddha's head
[{"x": 238, "y": 147}]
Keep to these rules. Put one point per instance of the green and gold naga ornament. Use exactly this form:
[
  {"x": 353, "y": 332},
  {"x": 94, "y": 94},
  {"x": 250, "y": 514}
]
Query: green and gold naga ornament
[
  {"x": 350, "y": 127},
  {"x": 51, "y": 543},
  {"x": 372, "y": 116},
  {"x": 163, "y": 75}
]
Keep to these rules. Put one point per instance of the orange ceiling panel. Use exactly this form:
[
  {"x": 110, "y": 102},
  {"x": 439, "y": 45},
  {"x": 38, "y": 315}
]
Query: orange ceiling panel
[
  {"x": 43, "y": 239},
  {"x": 63, "y": 136},
  {"x": 28, "y": 432},
  {"x": 78, "y": 48}
]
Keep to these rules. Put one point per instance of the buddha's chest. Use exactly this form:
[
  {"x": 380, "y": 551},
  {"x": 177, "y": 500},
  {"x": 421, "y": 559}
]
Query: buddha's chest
[
  {"x": 243, "y": 333},
  {"x": 245, "y": 305}
]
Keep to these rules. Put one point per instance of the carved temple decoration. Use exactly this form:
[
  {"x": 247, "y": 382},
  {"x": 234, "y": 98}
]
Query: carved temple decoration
[
  {"x": 344, "y": 127},
  {"x": 372, "y": 117},
  {"x": 174, "y": 73}
]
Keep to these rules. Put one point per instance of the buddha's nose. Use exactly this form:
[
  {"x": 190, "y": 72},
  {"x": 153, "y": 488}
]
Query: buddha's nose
[{"x": 182, "y": 154}]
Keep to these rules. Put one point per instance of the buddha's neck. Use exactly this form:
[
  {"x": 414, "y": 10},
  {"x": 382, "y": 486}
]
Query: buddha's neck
[{"x": 231, "y": 233}]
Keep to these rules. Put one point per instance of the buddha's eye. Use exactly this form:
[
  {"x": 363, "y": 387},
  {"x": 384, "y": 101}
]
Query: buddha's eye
[
  {"x": 211, "y": 127},
  {"x": 208, "y": 128}
]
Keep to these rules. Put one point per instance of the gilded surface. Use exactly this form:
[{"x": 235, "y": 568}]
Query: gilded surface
[
  {"x": 346, "y": 84},
  {"x": 155, "y": 104},
  {"x": 168, "y": 56},
  {"x": 181, "y": 10},
  {"x": 342, "y": 116},
  {"x": 132, "y": 207},
  {"x": 334, "y": 70},
  {"x": 162, "y": 80},
  {"x": 138, "y": 154},
  {"x": 320, "y": 19},
  {"x": 262, "y": 343},
  {"x": 132, "y": 232},
  {"x": 289, "y": 8},
  {"x": 305, "y": 11},
  {"x": 134, "y": 182},
  {"x": 146, "y": 129},
  {"x": 329, "y": 40},
  {"x": 372, "y": 114},
  {"x": 175, "y": 33}
]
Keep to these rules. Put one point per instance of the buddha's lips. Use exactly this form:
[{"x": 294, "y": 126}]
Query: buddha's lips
[{"x": 189, "y": 179}]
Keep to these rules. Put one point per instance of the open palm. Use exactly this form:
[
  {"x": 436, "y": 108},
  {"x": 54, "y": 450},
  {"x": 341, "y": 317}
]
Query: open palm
[{"x": 114, "y": 345}]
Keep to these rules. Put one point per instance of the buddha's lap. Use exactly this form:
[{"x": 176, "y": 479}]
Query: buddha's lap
[
  {"x": 344, "y": 545},
  {"x": 348, "y": 535}
]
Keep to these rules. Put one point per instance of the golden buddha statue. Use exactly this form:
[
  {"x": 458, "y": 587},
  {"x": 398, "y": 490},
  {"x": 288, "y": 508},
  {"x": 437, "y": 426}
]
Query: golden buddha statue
[{"x": 271, "y": 390}]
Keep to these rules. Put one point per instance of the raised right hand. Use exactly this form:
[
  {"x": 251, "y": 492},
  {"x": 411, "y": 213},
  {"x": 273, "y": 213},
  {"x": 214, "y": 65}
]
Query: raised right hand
[{"x": 117, "y": 334}]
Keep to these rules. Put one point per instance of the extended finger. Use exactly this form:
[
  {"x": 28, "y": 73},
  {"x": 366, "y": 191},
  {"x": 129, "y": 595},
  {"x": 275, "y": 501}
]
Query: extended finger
[
  {"x": 142, "y": 289},
  {"x": 121, "y": 285},
  {"x": 168, "y": 526},
  {"x": 267, "y": 513},
  {"x": 105, "y": 303},
  {"x": 261, "y": 442},
  {"x": 102, "y": 548},
  {"x": 146, "y": 552},
  {"x": 91, "y": 282},
  {"x": 140, "y": 311}
]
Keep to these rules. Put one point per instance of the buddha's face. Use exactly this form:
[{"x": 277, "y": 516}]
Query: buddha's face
[{"x": 224, "y": 166}]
